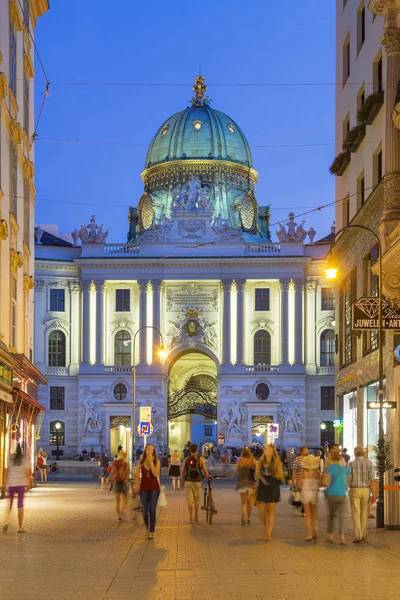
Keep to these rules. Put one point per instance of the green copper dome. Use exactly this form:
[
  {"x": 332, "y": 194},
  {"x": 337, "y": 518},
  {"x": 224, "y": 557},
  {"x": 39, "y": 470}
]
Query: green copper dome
[{"x": 199, "y": 132}]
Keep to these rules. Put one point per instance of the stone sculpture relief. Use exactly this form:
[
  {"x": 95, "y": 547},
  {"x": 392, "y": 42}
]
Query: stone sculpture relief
[
  {"x": 233, "y": 419},
  {"x": 91, "y": 234},
  {"x": 92, "y": 420},
  {"x": 294, "y": 233},
  {"x": 291, "y": 418},
  {"x": 192, "y": 328},
  {"x": 191, "y": 197}
]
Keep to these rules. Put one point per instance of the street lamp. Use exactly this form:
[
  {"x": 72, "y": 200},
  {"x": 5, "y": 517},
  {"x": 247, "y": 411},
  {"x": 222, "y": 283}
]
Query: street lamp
[
  {"x": 331, "y": 273},
  {"x": 58, "y": 427},
  {"x": 161, "y": 353}
]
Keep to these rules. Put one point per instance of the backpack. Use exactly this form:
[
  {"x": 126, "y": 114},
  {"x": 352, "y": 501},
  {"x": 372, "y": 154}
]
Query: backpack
[
  {"x": 192, "y": 469},
  {"x": 40, "y": 462},
  {"x": 119, "y": 469}
]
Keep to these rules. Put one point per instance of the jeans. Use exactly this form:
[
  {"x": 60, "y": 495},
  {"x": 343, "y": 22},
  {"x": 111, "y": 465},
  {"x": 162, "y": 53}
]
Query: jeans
[
  {"x": 336, "y": 504},
  {"x": 148, "y": 501}
]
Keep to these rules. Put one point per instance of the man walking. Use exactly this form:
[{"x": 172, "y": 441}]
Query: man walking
[
  {"x": 193, "y": 470},
  {"x": 360, "y": 483}
]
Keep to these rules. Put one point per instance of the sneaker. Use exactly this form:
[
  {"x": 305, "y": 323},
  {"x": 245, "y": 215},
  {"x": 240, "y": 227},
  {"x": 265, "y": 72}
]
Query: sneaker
[{"x": 150, "y": 536}]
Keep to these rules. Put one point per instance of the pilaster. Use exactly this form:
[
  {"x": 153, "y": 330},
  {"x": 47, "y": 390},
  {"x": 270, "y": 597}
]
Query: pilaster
[
  {"x": 298, "y": 304},
  {"x": 86, "y": 287},
  {"x": 156, "y": 285},
  {"x": 142, "y": 284},
  {"x": 101, "y": 288},
  {"x": 226, "y": 335},
  {"x": 75, "y": 291},
  {"x": 240, "y": 355},
  {"x": 284, "y": 287},
  {"x": 310, "y": 300}
]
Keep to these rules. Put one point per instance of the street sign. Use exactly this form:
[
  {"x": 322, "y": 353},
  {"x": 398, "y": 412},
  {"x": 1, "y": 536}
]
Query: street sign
[
  {"x": 365, "y": 314},
  {"x": 145, "y": 414},
  {"x": 273, "y": 430},
  {"x": 385, "y": 404},
  {"x": 221, "y": 439},
  {"x": 145, "y": 428}
]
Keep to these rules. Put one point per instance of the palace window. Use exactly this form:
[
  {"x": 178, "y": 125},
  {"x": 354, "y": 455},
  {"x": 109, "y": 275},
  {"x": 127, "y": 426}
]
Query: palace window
[
  {"x": 327, "y": 299},
  {"x": 262, "y": 348},
  {"x": 370, "y": 289},
  {"x": 57, "y": 300},
  {"x": 57, "y": 347},
  {"x": 57, "y": 397},
  {"x": 122, "y": 300},
  {"x": 13, "y": 61},
  {"x": 262, "y": 299},
  {"x": 327, "y": 353},
  {"x": 57, "y": 434},
  {"x": 122, "y": 348},
  {"x": 349, "y": 296},
  {"x": 120, "y": 391},
  {"x": 328, "y": 397}
]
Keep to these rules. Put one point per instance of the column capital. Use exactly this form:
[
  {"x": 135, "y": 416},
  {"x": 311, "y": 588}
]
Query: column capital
[
  {"x": 156, "y": 284},
  {"x": 226, "y": 284},
  {"x": 298, "y": 284},
  {"x": 100, "y": 285},
  {"x": 39, "y": 285},
  {"x": 142, "y": 285},
  {"x": 310, "y": 285},
  {"x": 284, "y": 284},
  {"x": 240, "y": 285},
  {"x": 391, "y": 40},
  {"x": 86, "y": 285},
  {"x": 75, "y": 287}
]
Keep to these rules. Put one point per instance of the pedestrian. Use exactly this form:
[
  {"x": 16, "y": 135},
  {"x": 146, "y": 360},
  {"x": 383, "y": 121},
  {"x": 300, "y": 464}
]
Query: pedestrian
[
  {"x": 346, "y": 456},
  {"x": 92, "y": 454},
  {"x": 246, "y": 470},
  {"x": 309, "y": 489},
  {"x": 335, "y": 478},
  {"x": 164, "y": 464},
  {"x": 295, "y": 481},
  {"x": 193, "y": 470},
  {"x": 107, "y": 454},
  {"x": 119, "y": 476},
  {"x": 290, "y": 458},
  {"x": 361, "y": 476},
  {"x": 148, "y": 469},
  {"x": 18, "y": 479},
  {"x": 175, "y": 471},
  {"x": 269, "y": 473},
  {"x": 104, "y": 473},
  {"x": 41, "y": 462}
]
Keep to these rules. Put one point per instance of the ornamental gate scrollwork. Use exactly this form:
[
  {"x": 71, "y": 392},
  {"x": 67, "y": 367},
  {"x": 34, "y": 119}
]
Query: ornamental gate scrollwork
[{"x": 197, "y": 397}]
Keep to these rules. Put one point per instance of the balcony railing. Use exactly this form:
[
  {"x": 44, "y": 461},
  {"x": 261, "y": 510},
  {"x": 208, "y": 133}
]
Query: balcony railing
[
  {"x": 118, "y": 369},
  {"x": 121, "y": 249},
  {"x": 325, "y": 370},
  {"x": 57, "y": 370},
  {"x": 262, "y": 369},
  {"x": 265, "y": 249}
]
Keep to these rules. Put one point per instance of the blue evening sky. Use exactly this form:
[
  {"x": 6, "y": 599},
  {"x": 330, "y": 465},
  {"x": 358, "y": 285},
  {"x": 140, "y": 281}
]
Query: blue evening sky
[{"x": 159, "y": 42}]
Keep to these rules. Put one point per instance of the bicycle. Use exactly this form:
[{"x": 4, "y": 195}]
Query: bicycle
[{"x": 209, "y": 505}]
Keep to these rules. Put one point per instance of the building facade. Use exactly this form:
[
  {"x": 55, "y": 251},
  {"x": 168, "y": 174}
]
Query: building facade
[
  {"x": 246, "y": 323},
  {"x": 19, "y": 378},
  {"x": 367, "y": 171}
]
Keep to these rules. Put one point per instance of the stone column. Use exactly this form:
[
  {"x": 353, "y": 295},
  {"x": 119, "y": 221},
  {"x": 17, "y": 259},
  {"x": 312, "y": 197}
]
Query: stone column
[
  {"x": 226, "y": 334},
  {"x": 240, "y": 286},
  {"x": 298, "y": 327},
  {"x": 101, "y": 288},
  {"x": 142, "y": 337},
  {"x": 391, "y": 42},
  {"x": 156, "y": 284},
  {"x": 40, "y": 354},
  {"x": 74, "y": 290},
  {"x": 310, "y": 357},
  {"x": 284, "y": 284},
  {"x": 86, "y": 286}
]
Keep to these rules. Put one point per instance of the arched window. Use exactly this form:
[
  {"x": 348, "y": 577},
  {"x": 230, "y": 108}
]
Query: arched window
[
  {"x": 57, "y": 434},
  {"x": 122, "y": 348},
  {"x": 57, "y": 349},
  {"x": 120, "y": 391},
  {"x": 327, "y": 353},
  {"x": 262, "y": 348}
]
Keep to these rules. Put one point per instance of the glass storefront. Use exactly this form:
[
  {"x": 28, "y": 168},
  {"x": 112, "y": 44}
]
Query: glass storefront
[
  {"x": 371, "y": 417},
  {"x": 350, "y": 421}
]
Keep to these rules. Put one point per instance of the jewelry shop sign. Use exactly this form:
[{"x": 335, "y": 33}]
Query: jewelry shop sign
[{"x": 365, "y": 314}]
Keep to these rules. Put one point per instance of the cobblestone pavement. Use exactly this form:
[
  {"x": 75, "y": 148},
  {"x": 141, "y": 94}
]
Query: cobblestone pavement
[{"x": 74, "y": 548}]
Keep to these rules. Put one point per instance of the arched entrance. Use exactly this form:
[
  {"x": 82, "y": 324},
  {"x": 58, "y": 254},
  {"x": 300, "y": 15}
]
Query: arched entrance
[{"x": 192, "y": 401}]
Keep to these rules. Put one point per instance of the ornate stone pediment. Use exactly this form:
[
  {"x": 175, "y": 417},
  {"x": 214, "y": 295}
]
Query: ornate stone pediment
[
  {"x": 57, "y": 324},
  {"x": 192, "y": 328}
]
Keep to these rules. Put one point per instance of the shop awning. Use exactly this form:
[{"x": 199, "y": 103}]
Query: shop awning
[
  {"x": 29, "y": 369},
  {"x": 17, "y": 392},
  {"x": 6, "y": 397}
]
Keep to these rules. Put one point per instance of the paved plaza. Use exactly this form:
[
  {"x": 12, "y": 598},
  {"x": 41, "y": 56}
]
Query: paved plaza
[{"x": 74, "y": 548}]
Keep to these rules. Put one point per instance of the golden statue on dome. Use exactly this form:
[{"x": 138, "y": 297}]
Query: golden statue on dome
[{"x": 200, "y": 89}]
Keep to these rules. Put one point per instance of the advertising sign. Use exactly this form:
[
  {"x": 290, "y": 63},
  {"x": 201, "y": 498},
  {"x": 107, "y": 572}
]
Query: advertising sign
[
  {"x": 365, "y": 314},
  {"x": 221, "y": 439},
  {"x": 145, "y": 414}
]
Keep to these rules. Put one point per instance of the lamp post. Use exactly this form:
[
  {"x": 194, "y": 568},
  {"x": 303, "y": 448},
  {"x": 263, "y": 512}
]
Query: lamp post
[
  {"x": 161, "y": 353},
  {"x": 58, "y": 427},
  {"x": 331, "y": 274}
]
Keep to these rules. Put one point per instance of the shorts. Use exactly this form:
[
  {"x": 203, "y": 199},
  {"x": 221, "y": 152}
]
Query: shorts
[
  {"x": 20, "y": 491},
  {"x": 309, "y": 491},
  {"x": 193, "y": 491},
  {"x": 104, "y": 472},
  {"x": 120, "y": 487}
]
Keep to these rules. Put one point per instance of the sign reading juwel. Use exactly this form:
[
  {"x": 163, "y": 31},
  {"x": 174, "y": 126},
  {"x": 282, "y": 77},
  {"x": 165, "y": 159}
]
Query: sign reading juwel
[{"x": 365, "y": 314}]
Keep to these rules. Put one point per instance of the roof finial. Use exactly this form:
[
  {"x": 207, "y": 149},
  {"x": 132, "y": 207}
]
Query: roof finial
[{"x": 200, "y": 89}]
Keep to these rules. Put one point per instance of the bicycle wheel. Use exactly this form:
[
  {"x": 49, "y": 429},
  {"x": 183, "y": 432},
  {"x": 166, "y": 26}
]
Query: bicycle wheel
[{"x": 209, "y": 508}]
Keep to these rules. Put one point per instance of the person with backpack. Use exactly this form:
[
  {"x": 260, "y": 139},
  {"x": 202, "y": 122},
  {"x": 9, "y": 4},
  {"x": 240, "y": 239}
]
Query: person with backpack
[
  {"x": 119, "y": 476},
  {"x": 148, "y": 469},
  {"x": 193, "y": 470},
  {"x": 41, "y": 462}
]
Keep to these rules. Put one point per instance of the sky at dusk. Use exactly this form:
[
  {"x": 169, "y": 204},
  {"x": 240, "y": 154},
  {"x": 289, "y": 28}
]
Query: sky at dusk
[{"x": 163, "y": 44}]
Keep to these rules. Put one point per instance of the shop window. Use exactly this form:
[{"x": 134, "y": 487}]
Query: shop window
[
  {"x": 122, "y": 348},
  {"x": 208, "y": 431},
  {"x": 120, "y": 391},
  {"x": 262, "y": 391},
  {"x": 328, "y": 397},
  {"x": 262, "y": 299},
  {"x": 262, "y": 348},
  {"x": 122, "y": 300},
  {"x": 57, "y": 397},
  {"x": 57, "y": 300},
  {"x": 327, "y": 351},
  {"x": 349, "y": 337},
  {"x": 327, "y": 299},
  {"x": 328, "y": 434},
  {"x": 57, "y": 347},
  {"x": 57, "y": 435}
]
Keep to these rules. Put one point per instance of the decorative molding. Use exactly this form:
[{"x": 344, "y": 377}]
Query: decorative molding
[
  {"x": 311, "y": 285},
  {"x": 39, "y": 285},
  {"x": 325, "y": 370},
  {"x": 28, "y": 65},
  {"x": 392, "y": 192},
  {"x": 28, "y": 169},
  {"x": 142, "y": 285},
  {"x": 156, "y": 284},
  {"x": 227, "y": 284},
  {"x": 75, "y": 287},
  {"x": 57, "y": 323},
  {"x": 100, "y": 285},
  {"x": 284, "y": 284},
  {"x": 28, "y": 283},
  {"x": 240, "y": 285},
  {"x": 13, "y": 102},
  {"x": 16, "y": 260},
  {"x": 15, "y": 15},
  {"x": 57, "y": 371},
  {"x": 298, "y": 284},
  {"x": 15, "y": 131},
  {"x": 3, "y": 229},
  {"x": 3, "y": 85},
  {"x": 391, "y": 40}
]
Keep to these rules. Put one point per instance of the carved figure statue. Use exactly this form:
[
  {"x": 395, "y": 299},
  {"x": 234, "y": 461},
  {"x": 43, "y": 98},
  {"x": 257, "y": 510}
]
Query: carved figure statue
[
  {"x": 233, "y": 418},
  {"x": 92, "y": 418},
  {"x": 192, "y": 187},
  {"x": 204, "y": 201},
  {"x": 311, "y": 234},
  {"x": 300, "y": 234},
  {"x": 91, "y": 234},
  {"x": 220, "y": 224},
  {"x": 291, "y": 418},
  {"x": 292, "y": 234},
  {"x": 191, "y": 197},
  {"x": 165, "y": 224}
]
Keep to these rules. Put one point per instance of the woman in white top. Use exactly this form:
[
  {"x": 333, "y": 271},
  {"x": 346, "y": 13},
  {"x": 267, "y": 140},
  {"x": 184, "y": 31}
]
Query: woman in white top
[
  {"x": 17, "y": 480},
  {"x": 175, "y": 471}
]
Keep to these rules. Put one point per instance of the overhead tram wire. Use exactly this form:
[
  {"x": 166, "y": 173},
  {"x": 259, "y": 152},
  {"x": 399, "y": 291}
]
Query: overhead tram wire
[{"x": 230, "y": 84}]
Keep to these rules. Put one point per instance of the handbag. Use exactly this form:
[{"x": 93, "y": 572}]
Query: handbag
[
  {"x": 296, "y": 497},
  {"x": 162, "y": 498},
  {"x": 253, "y": 496}
]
